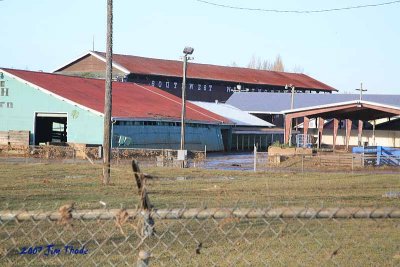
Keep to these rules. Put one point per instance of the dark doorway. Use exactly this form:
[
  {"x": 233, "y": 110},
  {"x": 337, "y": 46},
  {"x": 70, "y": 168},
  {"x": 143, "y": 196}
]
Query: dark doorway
[
  {"x": 50, "y": 127},
  {"x": 226, "y": 137}
]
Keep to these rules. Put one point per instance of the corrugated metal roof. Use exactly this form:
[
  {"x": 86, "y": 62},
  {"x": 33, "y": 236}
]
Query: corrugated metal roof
[
  {"x": 129, "y": 100},
  {"x": 277, "y": 102},
  {"x": 237, "y": 116},
  {"x": 162, "y": 67}
]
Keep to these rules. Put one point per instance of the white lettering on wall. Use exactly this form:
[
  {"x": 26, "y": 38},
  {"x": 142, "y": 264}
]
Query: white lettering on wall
[
  {"x": 167, "y": 85},
  {"x": 153, "y": 83},
  {"x": 191, "y": 86},
  {"x": 210, "y": 88},
  {"x": 175, "y": 84}
]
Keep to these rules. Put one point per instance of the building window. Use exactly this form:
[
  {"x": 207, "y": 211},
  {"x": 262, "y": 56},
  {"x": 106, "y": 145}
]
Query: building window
[
  {"x": 2, "y": 83},
  {"x": 4, "y": 91}
]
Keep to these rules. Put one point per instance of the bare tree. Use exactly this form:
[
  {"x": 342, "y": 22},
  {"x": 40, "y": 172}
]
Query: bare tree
[
  {"x": 278, "y": 64},
  {"x": 233, "y": 64},
  {"x": 298, "y": 69},
  {"x": 264, "y": 64},
  {"x": 252, "y": 63}
]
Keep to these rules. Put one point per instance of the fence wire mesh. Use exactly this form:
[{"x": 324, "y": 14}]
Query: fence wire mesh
[
  {"x": 282, "y": 219},
  {"x": 286, "y": 236}
]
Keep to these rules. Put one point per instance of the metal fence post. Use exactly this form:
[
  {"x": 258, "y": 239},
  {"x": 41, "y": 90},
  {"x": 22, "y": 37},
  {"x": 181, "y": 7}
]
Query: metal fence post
[
  {"x": 302, "y": 162},
  {"x": 255, "y": 158}
]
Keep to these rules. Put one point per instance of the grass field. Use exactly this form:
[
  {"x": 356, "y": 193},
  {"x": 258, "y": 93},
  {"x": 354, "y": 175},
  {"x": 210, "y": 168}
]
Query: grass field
[
  {"x": 286, "y": 242},
  {"x": 52, "y": 185}
]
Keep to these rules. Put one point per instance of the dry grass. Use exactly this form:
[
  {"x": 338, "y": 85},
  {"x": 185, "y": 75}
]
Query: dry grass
[
  {"x": 51, "y": 185},
  {"x": 288, "y": 242}
]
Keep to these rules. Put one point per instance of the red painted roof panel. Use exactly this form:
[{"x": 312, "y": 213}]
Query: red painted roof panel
[
  {"x": 142, "y": 65},
  {"x": 130, "y": 100}
]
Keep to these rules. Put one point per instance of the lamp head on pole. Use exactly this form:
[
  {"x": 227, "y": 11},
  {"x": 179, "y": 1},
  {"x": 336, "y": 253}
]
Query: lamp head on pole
[{"x": 188, "y": 50}]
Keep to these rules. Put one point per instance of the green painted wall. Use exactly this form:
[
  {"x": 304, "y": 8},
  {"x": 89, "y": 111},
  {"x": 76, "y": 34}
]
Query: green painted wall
[
  {"x": 168, "y": 137},
  {"x": 17, "y": 112}
]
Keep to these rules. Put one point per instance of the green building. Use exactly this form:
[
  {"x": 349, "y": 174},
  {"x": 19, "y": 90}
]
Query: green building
[{"x": 59, "y": 108}]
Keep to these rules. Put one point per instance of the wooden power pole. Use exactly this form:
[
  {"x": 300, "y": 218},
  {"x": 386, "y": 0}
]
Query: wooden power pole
[{"x": 108, "y": 97}]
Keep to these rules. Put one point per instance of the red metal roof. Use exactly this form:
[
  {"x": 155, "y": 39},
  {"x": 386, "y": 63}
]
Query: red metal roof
[
  {"x": 130, "y": 100},
  {"x": 142, "y": 65}
]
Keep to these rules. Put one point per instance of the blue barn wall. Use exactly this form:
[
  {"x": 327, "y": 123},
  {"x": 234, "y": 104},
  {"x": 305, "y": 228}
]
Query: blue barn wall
[{"x": 168, "y": 137}]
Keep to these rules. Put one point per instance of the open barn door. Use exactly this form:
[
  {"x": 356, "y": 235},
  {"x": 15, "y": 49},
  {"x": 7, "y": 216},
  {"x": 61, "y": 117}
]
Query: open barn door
[{"x": 50, "y": 127}]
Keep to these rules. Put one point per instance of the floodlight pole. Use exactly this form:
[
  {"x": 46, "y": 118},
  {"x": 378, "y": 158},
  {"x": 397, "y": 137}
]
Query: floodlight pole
[
  {"x": 187, "y": 51},
  {"x": 183, "y": 114},
  {"x": 108, "y": 97}
]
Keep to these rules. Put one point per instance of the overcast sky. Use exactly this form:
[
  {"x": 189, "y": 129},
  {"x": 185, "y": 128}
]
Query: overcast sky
[{"x": 340, "y": 48}]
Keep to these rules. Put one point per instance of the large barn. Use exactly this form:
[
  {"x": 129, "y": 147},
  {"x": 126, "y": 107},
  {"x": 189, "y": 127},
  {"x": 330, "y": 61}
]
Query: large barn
[
  {"x": 205, "y": 82},
  {"x": 60, "y": 108}
]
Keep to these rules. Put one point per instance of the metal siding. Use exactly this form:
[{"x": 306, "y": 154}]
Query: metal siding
[
  {"x": 83, "y": 126},
  {"x": 168, "y": 137}
]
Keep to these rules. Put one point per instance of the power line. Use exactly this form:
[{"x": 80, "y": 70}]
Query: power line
[{"x": 298, "y": 11}]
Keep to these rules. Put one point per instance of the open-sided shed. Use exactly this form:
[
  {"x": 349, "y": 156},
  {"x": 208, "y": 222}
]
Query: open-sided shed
[{"x": 356, "y": 110}]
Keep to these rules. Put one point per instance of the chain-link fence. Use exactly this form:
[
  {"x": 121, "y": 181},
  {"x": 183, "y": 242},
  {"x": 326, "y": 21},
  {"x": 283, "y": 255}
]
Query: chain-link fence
[
  {"x": 286, "y": 236},
  {"x": 357, "y": 225}
]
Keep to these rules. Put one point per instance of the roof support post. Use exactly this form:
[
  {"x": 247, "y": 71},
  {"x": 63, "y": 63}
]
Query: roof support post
[
  {"x": 288, "y": 126},
  {"x": 305, "y": 130},
  {"x": 360, "y": 130},
  {"x": 335, "y": 130},
  {"x": 373, "y": 132},
  {"x": 320, "y": 130},
  {"x": 348, "y": 133}
]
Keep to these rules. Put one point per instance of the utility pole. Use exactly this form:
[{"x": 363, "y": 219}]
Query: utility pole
[
  {"x": 361, "y": 91},
  {"x": 292, "y": 97},
  {"x": 292, "y": 87},
  {"x": 108, "y": 97}
]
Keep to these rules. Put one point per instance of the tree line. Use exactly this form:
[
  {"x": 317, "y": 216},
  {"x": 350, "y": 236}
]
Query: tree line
[{"x": 264, "y": 64}]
